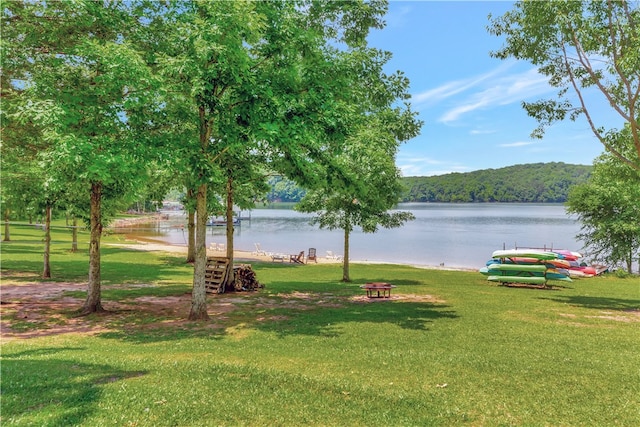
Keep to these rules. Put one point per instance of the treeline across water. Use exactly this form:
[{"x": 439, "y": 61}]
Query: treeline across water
[{"x": 529, "y": 183}]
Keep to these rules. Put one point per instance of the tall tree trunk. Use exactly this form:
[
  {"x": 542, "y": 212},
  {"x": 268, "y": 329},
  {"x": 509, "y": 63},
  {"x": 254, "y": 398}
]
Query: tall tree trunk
[
  {"x": 199, "y": 293},
  {"x": 46, "y": 270},
  {"x": 7, "y": 235},
  {"x": 74, "y": 235},
  {"x": 229, "y": 217},
  {"x": 93, "y": 302},
  {"x": 191, "y": 224},
  {"x": 345, "y": 259},
  {"x": 191, "y": 236}
]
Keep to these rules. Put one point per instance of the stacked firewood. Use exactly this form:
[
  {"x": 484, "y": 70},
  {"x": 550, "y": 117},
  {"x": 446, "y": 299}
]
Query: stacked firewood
[{"x": 245, "y": 279}]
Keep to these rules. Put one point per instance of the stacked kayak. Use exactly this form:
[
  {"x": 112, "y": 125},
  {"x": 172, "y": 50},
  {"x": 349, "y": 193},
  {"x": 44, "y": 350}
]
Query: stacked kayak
[
  {"x": 528, "y": 266},
  {"x": 576, "y": 269}
]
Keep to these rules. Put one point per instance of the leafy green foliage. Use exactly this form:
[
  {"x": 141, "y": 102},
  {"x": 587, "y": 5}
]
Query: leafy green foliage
[
  {"x": 284, "y": 190},
  {"x": 608, "y": 206},
  {"x": 212, "y": 93},
  {"x": 530, "y": 183},
  {"x": 85, "y": 85},
  {"x": 588, "y": 49},
  {"x": 365, "y": 186},
  {"x": 259, "y": 84}
]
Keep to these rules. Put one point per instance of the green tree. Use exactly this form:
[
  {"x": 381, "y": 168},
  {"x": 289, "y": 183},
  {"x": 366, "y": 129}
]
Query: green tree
[
  {"x": 585, "y": 48},
  {"x": 608, "y": 207},
  {"x": 366, "y": 183},
  {"x": 366, "y": 201},
  {"x": 536, "y": 183},
  {"x": 259, "y": 79},
  {"x": 88, "y": 85},
  {"x": 206, "y": 60}
]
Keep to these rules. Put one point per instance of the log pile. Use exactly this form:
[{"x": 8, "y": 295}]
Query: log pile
[
  {"x": 245, "y": 279},
  {"x": 216, "y": 277}
]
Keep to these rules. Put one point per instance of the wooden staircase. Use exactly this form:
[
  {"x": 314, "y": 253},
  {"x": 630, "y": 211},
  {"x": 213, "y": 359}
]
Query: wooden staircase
[{"x": 215, "y": 274}]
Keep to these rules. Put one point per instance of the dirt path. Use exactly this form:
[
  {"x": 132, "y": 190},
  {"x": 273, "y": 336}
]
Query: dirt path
[
  {"x": 37, "y": 309},
  {"x": 30, "y": 308}
]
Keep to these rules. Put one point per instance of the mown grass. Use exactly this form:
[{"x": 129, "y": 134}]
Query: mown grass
[{"x": 455, "y": 350}]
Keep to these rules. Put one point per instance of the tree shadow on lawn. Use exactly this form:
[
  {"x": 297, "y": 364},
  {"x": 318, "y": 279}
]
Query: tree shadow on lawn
[
  {"x": 328, "y": 322},
  {"x": 143, "y": 313},
  {"x": 62, "y": 392},
  {"x": 112, "y": 271},
  {"x": 305, "y": 312},
  {"x": 599, "y": 303},
  {"x": 24, "y": 247}
]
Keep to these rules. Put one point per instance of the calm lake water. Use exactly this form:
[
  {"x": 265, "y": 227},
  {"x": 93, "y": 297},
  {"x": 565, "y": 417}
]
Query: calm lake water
[{"x": 457, "y": 235}]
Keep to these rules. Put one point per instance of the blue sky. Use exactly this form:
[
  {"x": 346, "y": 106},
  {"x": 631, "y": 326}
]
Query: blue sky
[{"x": 471, "y": 103}]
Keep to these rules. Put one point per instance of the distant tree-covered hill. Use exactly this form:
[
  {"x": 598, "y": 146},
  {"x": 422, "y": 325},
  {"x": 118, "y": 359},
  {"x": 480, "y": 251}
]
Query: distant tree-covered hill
[{"x": 529, "y": 183}]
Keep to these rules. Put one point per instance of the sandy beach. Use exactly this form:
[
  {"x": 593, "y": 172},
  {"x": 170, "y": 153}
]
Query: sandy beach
[
  {"x": 240, "y": 256},
  {"x": 182, "y": 249}
]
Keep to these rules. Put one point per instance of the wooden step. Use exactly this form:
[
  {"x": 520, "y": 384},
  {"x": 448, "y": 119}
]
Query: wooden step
[{"x": 215, "y": 274}]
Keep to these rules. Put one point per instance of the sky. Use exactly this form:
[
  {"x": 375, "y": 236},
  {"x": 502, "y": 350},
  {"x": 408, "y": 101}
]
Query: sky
[{"x": 471, "y": 103}]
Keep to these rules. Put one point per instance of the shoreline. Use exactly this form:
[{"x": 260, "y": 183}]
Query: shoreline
[{"x": 152, "y": 245}]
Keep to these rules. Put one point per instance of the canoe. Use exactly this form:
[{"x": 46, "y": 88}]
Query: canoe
[
  {"x": 549, "y": 263},
  {"x": 517, "y": 270},
  {"x": 559, "y": 275},
  {"x": 518, "y": 267},
  {"x": 514, "y": 271},
  {"x": 524, "y": 253},
  {"x": 559, "y": 263},
  {"x": 516, "y": 279},
  {"x": 568, "y": 255}
]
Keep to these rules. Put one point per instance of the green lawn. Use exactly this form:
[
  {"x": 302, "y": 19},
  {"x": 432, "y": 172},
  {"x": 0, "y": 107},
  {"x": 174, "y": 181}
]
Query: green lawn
[{"x": 452, "y": 349}]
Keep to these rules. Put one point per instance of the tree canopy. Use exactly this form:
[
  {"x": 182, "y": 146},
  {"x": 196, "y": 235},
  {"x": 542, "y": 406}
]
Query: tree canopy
[
  {"x": 528, "y": 183},
  {"x": 77, "y": 75},
  {"x": 363, "y": 183},
  {"x": 585, "y": 48},
  {"x": 608, "y": 207},
  {"x": 263, "y": 82},
  {"x": 122, "y": 97}
]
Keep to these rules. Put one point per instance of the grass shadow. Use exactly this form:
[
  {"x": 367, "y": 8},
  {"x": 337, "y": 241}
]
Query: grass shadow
[
  {"x": 396, "y": 282},
  {"x": 329, "y": 322},
  {"x": 309, "y": 304},
  {"x": 67, "y": 395},
  {"x": 118, "y": 265},
  {"x": 599, "y": 303},
  {"x": 286, "y": 312}
]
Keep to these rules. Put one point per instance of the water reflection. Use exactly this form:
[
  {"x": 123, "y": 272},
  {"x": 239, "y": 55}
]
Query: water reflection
[{"x": 458, "y": 235}]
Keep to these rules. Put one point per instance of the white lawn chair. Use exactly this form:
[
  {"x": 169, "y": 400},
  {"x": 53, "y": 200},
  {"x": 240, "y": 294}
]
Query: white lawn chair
[
  {"x": 259, "y": 250},
  {"x": 331, "y": 255},
  {"x": 221, "y": 247}
]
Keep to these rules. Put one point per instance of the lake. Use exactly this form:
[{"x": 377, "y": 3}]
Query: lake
[{"x": 455, "y": 235}]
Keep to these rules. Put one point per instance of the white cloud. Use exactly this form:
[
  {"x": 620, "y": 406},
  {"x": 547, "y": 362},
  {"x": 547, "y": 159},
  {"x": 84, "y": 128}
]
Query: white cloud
[
  {"x": 426, "y": 166},
  {"x": 481, "y": 132},
  {"x": 483, "y": 92},
  {"x": 419, "y": 160},
  {"x": 450, "y": 89},
  {"x": 439, "y": 93},
  {"x": 516, "y": 144},
  {"x": 455, "y": 113}
]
